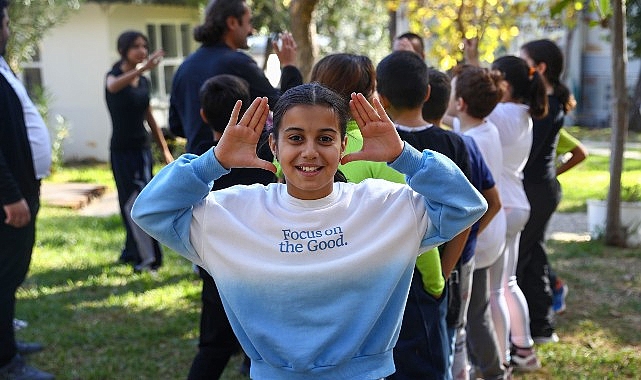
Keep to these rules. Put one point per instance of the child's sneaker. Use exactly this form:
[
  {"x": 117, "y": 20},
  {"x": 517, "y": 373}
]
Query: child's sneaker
[
  {"x": 524, "y": 360},
  {"x": 559, "y": 293}
]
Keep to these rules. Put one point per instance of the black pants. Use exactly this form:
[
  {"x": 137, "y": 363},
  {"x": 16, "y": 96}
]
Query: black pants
[
  {"x": 423, "y": 345},
  {"x": 132, "y": 170},
  {"x": 217, "y": 342},
  {"x": 533, "y": 268},
  {"x": 16, "y": 246}
]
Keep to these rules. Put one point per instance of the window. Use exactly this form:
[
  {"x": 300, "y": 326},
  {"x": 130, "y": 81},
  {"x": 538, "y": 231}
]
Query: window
[
  {"x": 175, "y": 40},
  {"x": 32, "y": 75}
]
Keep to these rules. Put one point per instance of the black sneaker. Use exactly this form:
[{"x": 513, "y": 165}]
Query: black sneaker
[{"x": 17, "y": 369}]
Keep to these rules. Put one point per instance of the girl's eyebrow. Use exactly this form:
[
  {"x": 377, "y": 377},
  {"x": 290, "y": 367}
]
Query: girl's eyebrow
[{"x": 299, "y": 129}]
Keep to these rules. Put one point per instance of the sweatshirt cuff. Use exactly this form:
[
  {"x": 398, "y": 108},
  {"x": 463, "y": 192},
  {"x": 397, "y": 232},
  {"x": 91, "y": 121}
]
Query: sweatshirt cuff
[
  {"x": 207, "y": 168},
  {"x": 409, "y": 162}
]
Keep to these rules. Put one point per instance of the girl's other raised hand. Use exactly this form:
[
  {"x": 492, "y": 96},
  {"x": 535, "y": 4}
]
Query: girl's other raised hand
[
  {"x": 237, "y": 145},
  {"x": 381, "y": 142}
]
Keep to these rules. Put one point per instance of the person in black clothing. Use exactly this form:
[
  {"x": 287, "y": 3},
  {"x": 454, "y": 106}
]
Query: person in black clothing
[
  {"x": 225, "y": 30},
  {"x": 423, "y": 346},
  {"x": 127, "y": 93},
  {"x": 534, "y": 274},
  {"x": 25, "y": 158}
]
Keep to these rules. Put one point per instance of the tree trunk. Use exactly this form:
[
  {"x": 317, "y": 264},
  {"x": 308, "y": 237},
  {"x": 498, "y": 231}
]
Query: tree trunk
[
  {"x": 303, "y": 30},
  {"x": 614, "y": 235}
]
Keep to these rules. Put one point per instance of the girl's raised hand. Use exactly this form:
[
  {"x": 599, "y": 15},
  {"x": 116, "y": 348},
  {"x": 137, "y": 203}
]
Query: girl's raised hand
[
  {"x": 237, "y": 145},
  {"x": 381, "y": 142}
]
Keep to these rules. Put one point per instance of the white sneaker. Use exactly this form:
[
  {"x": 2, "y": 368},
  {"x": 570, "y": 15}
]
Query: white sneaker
[
  {"x": 546, "y": 339},
  {"x": 527, "y": 363}
]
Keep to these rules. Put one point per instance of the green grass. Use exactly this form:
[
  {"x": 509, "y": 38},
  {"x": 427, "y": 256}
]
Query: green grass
[
  {"x": 101, "y": 321},
  {"x": 591, "y": 179}
]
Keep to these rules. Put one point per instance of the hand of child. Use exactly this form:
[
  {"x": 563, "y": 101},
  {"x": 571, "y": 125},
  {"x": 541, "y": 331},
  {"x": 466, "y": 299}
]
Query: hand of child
[
  {"x": 381, "y": 142},
  {"x": 237, "y": 145}
]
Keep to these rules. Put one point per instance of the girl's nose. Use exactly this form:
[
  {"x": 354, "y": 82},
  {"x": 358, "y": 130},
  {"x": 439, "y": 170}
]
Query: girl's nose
[{"x": 309, "y": 150}]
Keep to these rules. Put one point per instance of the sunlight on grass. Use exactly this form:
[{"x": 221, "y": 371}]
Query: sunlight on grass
[{"x": 591, "y": 180}]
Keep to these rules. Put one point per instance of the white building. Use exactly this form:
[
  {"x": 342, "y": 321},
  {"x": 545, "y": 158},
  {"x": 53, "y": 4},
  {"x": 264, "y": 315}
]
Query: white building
[{"x": 74, "y": 58}]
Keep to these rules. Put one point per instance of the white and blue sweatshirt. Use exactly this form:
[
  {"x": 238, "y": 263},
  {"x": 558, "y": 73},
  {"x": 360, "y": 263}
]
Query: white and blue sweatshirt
[{"x": 314, "y": 289}]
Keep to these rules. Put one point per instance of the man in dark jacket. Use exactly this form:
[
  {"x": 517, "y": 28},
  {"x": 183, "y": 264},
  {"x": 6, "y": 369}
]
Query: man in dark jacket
[{"x": 25, "y": 157}]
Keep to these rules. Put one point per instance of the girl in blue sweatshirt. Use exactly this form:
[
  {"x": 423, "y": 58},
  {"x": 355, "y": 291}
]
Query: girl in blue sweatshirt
[{"x": 313, "y": 274}]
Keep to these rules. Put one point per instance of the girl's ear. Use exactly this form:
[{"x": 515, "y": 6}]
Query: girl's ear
[
  {"x": 343, "y": 145},
  {"x": 273, "y": 146}
]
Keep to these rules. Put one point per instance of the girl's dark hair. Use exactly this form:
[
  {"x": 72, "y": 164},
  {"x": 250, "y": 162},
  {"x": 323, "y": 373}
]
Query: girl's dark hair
[
  {"x": 346, "y": 73},
  {"x": 526, "y": 87},
  {"x": 479, "y": 88},
  {"x": 311, "y": 94},
  {"x": 212, "y": 30},
  {"x": 546, "y": 51},
  {"x": 126, "y": 41}
]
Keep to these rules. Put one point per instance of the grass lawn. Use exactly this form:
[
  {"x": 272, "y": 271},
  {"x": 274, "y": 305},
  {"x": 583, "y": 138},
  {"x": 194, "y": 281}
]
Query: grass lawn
[{"x": 101, "y": 321}]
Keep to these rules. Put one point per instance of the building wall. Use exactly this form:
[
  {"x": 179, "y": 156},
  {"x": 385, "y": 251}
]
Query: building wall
[{"x": 75, "y": 58}]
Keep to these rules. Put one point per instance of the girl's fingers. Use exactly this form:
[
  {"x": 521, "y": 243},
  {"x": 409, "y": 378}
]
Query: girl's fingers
[
  {"x": 259, "y": 114},
  {"x": 233, "y": 119},
  {"x": 357, "y": 109},
  {"x": 381, "y": 111},
  {"x": 371, "y": 113}
]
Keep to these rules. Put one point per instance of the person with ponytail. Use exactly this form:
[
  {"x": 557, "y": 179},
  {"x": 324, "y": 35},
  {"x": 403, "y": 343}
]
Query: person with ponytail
[
  {"x": 127, "y": 94},
  {"x": 543, "y": 190},
  {"x": 523, "y": 99}
]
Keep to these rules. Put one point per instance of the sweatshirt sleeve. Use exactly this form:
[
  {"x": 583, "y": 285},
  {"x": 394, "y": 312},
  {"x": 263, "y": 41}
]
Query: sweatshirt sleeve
[
  {"x": 164, "y": 207},
  {"x": 451, "y": 202}
]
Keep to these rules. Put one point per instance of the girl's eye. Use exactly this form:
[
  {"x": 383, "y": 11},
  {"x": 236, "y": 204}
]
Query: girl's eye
[
  {"x": 326, "y": 139},
  {"x": 295, "y": 138}
]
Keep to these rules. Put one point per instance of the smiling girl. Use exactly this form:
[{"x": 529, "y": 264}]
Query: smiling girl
[{"x": 313, "y": 274}]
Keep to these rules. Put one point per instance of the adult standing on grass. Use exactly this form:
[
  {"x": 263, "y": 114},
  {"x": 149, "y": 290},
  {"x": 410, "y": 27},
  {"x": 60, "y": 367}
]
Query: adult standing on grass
[
  {"x": 225, "y": 30},
  {"x": 25, "y": 158},
  {"x": 127, "y": 92},
  {"x": 543, "y": 190},
  {"x": 291, "y": 286}
]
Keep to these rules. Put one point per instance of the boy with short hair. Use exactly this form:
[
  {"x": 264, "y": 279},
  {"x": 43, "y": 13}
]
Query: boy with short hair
[
  {"x": 217, "y": 342},
  {"x": 423, "y": 347}
]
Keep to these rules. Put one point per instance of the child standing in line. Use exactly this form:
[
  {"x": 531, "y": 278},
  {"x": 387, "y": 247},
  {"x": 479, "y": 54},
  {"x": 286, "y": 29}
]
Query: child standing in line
[
  {"x": 543, "y": 190},
  {"x": 292, "y": 261},
  {"x": 475, "y": 93},
  {"x": 423, "y": 347},
  {"x": 523, "y": 99}
]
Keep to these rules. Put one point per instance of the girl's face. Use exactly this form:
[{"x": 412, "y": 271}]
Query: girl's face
[
  {"x": 309, "y": 148},
  {"x": 138, "y": 51}
]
